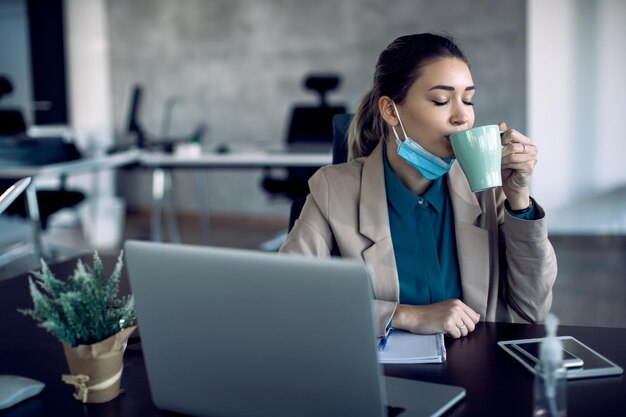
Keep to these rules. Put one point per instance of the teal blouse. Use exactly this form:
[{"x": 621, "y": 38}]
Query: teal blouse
[{"x": 424, "y": 242}]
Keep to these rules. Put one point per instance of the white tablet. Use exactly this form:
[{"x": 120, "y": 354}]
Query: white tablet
[{"x": 580, "y": 360}]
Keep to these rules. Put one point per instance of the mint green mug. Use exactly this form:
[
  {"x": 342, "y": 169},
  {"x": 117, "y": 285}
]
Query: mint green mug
[{"x": 479, "y": 153}]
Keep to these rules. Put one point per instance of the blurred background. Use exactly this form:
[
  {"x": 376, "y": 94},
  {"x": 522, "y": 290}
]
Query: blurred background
[{"x": 231, "y": 71}]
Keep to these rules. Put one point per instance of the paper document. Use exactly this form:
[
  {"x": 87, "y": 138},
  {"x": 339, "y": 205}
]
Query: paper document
[{"x": 405, "y": 347}]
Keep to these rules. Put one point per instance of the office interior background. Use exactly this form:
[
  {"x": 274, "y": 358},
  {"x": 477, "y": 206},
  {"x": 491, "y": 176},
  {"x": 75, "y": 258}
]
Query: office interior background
[{"x": 235, "y": 68}]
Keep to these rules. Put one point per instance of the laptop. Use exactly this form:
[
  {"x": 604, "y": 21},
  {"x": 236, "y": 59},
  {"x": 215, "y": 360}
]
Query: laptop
[
  {"x": 13, "y": 192},
  {"x": 231, "y": 332}
]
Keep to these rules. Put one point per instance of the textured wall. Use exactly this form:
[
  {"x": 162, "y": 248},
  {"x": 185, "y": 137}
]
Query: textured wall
[{"x": 238, "y": 65}]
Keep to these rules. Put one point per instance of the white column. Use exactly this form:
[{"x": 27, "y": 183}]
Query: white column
[
  {"x": 576, "y": 108},
  {"x": 89, "y": 79}
]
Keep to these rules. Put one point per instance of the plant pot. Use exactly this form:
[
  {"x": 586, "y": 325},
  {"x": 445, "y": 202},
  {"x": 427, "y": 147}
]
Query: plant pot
[{"x": 96, "y": 369}]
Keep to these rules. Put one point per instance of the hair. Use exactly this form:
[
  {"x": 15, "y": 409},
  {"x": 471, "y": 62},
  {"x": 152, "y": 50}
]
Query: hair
[{"x": 398, "y": 67}]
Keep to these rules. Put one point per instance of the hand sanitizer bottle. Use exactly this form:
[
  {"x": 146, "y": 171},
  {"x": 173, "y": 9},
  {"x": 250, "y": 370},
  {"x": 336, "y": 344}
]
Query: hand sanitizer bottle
[{"x": 550, "y": 375}]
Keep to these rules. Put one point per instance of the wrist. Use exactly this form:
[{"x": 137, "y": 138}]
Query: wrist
[
  {"x": 518, "y": 201},
  {"x": 518, "y": 211},
  {"x": 405, "y": 317}
]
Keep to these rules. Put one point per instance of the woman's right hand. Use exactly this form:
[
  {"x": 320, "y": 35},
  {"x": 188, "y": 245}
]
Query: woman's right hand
[{"x": 452, "y": 317}]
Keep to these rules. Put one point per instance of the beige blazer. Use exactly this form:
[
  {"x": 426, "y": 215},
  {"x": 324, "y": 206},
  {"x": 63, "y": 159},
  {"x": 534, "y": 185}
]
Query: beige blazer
[{"x": 505, "y": 262}]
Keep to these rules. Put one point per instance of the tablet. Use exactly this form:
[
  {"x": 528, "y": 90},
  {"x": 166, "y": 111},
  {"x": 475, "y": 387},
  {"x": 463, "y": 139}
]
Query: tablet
[{"x": 580, "y": 360}]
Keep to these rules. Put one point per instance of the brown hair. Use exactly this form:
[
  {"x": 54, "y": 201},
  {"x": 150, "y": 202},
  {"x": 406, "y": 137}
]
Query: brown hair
[{"x": 399, "y": 65}]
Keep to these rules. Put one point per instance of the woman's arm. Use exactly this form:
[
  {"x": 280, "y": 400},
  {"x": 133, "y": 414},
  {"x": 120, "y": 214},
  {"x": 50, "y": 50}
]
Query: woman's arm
[
  {"x": 311, "y": 233},
  {"x": 452, "y": 317},
  {"x": 531, "y": 266}
]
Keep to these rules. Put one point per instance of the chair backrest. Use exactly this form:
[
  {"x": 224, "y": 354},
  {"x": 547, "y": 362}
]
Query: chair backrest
[
  {"x": 341, "y": 124},
  {"x": 135, "y": 130},
  {"x": 310, "y": 129},
  {"x": 12, "y": 122}
]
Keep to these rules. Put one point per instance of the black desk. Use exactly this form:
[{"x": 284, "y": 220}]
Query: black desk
[{"x": 496, "y": 384}]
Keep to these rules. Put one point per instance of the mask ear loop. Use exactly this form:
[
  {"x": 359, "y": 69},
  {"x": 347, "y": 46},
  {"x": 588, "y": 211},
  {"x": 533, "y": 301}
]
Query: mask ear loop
[{"x": 398, "y": 141}]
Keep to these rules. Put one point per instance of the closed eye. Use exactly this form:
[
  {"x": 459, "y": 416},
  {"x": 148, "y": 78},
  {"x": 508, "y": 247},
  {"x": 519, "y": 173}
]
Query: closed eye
[
  {"x": 440, "y": 103},
  {"x": 469, "y": 103}
]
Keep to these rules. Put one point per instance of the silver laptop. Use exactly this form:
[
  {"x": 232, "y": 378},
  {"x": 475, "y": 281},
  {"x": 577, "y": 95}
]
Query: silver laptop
[
  {"x": 13, "y": 192},
  {"x": 228, "y": 332}
]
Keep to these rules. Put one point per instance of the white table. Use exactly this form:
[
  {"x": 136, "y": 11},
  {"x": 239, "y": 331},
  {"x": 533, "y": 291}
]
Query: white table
[
  {"x": 161, "y": 165},
  {"x": 236, "y": 160},
  {"x": 82, "y": 165}
]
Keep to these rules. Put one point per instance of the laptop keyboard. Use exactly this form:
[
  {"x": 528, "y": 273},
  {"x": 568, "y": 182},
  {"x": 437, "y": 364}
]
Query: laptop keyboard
[{"x": 394, "y": 411}]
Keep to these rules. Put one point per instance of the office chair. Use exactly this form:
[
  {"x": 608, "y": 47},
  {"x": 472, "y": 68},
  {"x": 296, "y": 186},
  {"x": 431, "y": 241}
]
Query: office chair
[
  {"x": 11, "y": 119},
  {"x": 310, "y": 129},
  {"x": 11, "y": 122},
  {"x": 341, "y": 124},
  {"x": 18, "y": 149}
]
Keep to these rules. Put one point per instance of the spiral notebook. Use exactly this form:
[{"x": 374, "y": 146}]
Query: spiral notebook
[{"x": 405, "y": 347}]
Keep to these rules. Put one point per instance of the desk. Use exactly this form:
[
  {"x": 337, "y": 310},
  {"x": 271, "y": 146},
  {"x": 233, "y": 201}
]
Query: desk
[
  {"x": 61, "y": 169},
  {"x": 162, "y": 164},
  {"x": 236, "y": 160},
  {"x": 496, "y": 384}
]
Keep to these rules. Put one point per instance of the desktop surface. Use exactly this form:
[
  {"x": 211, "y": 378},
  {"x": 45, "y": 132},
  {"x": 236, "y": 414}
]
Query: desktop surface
[{"x": 496, "y": 384}]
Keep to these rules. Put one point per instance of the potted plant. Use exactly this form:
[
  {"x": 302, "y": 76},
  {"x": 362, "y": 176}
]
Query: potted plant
[{"x": 85, "y": 313}]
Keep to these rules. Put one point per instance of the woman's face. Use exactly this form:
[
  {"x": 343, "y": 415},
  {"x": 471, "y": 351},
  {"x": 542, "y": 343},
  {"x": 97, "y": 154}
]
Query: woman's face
[{"x": 438, "y": 104}]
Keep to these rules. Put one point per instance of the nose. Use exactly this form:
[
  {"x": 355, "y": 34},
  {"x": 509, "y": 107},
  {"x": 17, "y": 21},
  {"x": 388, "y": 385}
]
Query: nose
[{"x": 461, "y": 114}]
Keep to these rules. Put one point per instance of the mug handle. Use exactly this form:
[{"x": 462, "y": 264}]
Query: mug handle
[{"x": 502, "y": 132}]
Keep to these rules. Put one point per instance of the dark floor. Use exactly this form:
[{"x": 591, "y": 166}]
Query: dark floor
[{"x": 590, "y": 289}]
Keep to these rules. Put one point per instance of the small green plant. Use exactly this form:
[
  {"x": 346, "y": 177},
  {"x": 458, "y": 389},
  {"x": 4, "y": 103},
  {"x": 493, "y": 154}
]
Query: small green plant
[{"x": 84, "y": 309}]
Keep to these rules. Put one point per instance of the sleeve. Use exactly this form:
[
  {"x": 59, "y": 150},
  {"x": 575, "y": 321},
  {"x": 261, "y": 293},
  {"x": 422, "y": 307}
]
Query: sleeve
[
  {"x": 311, "y": 233},
  {"x": 531, "y": 265},
  {"x": 527, "y": 214}
]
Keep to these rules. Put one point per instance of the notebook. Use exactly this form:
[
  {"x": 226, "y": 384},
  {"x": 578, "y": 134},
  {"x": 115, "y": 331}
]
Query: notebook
[
  {"x": 244, "y": 333},
  {"x": 405, "y": 347}
]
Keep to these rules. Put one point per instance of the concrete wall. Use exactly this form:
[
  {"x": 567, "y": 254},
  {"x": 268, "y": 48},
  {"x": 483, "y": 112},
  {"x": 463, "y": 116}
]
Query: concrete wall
[{"x": 238, "y": 65}]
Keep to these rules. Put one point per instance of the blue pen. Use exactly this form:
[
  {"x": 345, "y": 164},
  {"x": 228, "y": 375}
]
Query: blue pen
[{"x": 383, "y": 341}]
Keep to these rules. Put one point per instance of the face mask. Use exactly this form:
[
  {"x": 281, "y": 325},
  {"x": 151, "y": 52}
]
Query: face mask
[{"x": 430, "y": 166}]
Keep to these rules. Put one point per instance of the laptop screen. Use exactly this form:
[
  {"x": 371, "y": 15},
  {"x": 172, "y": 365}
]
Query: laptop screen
[{"x": 245, "y": 333}]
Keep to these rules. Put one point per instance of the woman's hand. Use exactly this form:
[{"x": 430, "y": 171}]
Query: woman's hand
[
  {"x": 452, "y": 317},
  {"x": 519, "y": 158}
]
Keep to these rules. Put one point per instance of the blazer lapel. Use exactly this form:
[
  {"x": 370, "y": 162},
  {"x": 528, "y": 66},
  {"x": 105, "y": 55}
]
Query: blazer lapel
[
  {"x": 374, "y": 224},
  {"x": 472, "y": 242}
]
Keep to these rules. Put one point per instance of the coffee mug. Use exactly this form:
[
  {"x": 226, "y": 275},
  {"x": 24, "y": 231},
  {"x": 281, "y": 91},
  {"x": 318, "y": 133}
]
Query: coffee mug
[{"x": 479, "y": 152}]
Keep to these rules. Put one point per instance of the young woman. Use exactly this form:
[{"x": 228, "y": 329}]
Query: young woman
[{"x": 442, "y": 257}]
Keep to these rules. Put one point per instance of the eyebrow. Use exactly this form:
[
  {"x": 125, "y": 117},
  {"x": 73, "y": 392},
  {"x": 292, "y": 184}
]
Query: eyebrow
[{"x": 450, "y": 88}]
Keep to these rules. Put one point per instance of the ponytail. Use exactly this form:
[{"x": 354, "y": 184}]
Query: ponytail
[{"x": 366, "y": 129}]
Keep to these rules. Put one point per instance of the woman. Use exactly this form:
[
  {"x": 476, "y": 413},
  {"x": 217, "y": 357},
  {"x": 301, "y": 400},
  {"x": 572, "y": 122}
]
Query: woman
[{"x": 442, "y": 257}]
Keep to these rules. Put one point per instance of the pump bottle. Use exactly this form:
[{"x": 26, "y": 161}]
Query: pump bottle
[{"x": 550, "y": 375}]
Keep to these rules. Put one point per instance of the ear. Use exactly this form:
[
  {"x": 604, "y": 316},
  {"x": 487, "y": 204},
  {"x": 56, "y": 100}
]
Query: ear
[{"x": 387, "y": 111}]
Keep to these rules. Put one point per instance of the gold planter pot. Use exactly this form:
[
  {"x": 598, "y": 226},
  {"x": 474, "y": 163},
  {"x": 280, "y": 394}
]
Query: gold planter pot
[{"x": 96, "y": 369}]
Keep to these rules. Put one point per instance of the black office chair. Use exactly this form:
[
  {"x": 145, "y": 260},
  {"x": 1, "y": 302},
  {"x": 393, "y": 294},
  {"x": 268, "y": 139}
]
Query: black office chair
[
  {"x": 11, "y": 122},
  {"x": 18, "y": 149},
  {"x": 341, "y": 124},
  {"x": 310, "y": 129}
]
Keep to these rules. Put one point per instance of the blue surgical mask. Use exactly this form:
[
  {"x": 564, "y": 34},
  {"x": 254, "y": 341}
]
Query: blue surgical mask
[{"x": 430, "y": 166}]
